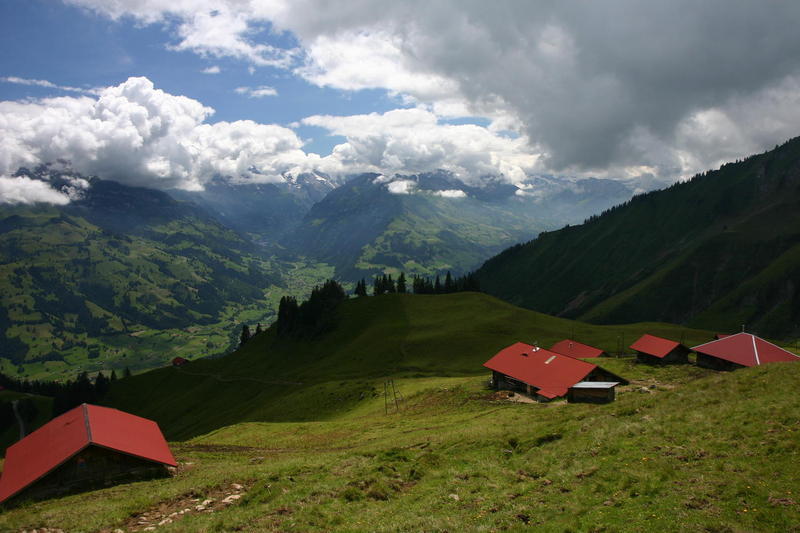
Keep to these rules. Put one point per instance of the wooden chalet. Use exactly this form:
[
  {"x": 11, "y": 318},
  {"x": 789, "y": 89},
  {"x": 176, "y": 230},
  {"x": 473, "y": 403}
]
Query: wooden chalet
[
  {"x": 656, "y": 350},
  {"x": 541, "y": 373},
  {"x": 86, "y": 448},
  {"x": 577, "y": 349},
  {"x": 179, "y": 361},
  {"x": 739, "y": 351},
  {"x": 592, "y": 392}
]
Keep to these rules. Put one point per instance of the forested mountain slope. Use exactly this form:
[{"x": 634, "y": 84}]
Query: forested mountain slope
[{"x": 718, "y": 251}]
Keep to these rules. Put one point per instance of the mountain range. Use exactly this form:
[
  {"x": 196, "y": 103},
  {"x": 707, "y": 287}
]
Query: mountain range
[{"x": 720, "y": 251}]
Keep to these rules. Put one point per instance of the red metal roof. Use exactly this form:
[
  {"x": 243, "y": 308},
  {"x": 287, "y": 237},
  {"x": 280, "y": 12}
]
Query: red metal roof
[
  {"x": 178, "y": 361},
  {"x": 548, "y": 371},
  {"x": 745, "y": 349},
  {"x": 576, "y": 349},
  {"x": 655, "y": 346},
  {"x": 60, "y": 439}
]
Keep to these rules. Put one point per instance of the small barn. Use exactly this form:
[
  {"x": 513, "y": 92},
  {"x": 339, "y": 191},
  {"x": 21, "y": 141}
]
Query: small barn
[
  {"x": 740, "y": 350},
  {"x": 541, "y": 373},
  {"x": 592, "y": 392},
  {"x": 577, "y": 349},
  {"x": 179, "y": 361},
  {"x": 86, "y": 448},
  {"x": 657, "y": 350}
]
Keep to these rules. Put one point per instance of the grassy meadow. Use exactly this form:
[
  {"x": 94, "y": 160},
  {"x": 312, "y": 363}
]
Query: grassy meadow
[{"x": 297, "y": 436}]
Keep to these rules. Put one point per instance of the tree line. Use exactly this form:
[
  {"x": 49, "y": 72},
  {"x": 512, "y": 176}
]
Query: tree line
[
  {"x": 68, "y": 394},
  {"x": 385, "y": 284},
  {"x": 317, "y": 314}
]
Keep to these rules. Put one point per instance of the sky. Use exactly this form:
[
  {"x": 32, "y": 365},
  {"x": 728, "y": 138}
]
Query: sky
[{"x": 173, "y": 93}]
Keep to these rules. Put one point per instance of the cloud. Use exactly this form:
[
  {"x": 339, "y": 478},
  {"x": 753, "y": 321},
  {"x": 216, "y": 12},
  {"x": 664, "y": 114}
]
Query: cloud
[
  {"x": 24, "y": 190},
  {"x": 140, "y": 135},
  {"x": 451, "y": 193},
  {"x": 48, "y": 84},
  {"x": 412, "y": 141},
  {"x": 214, "y": 69},
  {"x": 208, "y": 28},
  {"x": 618, "y": 88},
  {"x": 401, "y": 186},
  {"x": 257, "y": 92},
  {"x": 612, "y": 87}
]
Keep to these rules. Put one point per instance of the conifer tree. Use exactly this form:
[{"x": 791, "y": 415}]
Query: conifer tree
[
  {"x": 401, "y": 283},
  {"x": 448, "y": 283},
  {"x": 245, "y": 336},
  {"x": 126, "y": 373},
  {"x": 113, "y": 376},
  {"x": 361, "y": 288},
  {"x": 437, "y": 285},
  {"x": 258, "y": 328}
]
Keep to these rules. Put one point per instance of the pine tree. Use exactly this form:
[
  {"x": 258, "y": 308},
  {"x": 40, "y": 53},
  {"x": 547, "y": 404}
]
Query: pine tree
[
  {"x": 126, "y": 373},
  {"x": 100, "y": 385},
  {"x": 245, "y": 336},
  {"x": 437, "y": 285},
  {"x": 113, "y": 376},
  {"x": 448, "y": 283},
  {"x": 288, "y": 312},
  {"x": 401, "y": 283},
  {"x": 361, "y": 288},
  {"x": 376, "y": 286},
  {"x": 258, "y": 328},
  {"x": 390, "y": 287}
]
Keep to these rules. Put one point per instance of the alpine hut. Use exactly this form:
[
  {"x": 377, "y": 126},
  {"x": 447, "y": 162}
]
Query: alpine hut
[
  {"x": 592, "y": 392},
  {"x": 740, "y": 350},
  {"x": 577, "y": 349},
  {"x": 655, "y": 350},
  {"x": 85, "y": 448},
  {"x": 179, "y": 361},
  {"x": 541, "y": 373}
]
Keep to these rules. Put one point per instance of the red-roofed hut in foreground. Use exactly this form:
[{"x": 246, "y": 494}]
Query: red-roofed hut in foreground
[
  {"x": 740, "y": 350},
  {"x": 655, "y": 350},
  {"x": 542, "y": 373},
  {"x": 86, "y": 448}
]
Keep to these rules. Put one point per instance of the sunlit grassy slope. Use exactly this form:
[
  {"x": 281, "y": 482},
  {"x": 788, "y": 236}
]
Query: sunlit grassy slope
[
  {"x": 700, "y": 451},
  {"x": 396, "y": 336}
]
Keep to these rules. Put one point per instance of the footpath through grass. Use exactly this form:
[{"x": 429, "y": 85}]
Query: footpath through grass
[{"x": 684, "y": 449}]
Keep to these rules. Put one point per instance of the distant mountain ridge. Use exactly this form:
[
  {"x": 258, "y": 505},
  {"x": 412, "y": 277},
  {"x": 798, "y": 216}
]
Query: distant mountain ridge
[
  {"x": 265, "y": 211},
  {"x": 716, "y": 252},
  {"x": 431, "y": 222}
]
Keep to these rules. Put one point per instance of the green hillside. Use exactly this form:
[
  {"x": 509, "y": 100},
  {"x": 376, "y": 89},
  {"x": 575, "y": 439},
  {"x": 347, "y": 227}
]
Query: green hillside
[
  {"x": 716, "y": 252},
  {"x": 127, "y": 277},
  {"x": 398, "y": 336},
  {"x": 682, "y": 448},
  {"x": 362, "y": 229}
]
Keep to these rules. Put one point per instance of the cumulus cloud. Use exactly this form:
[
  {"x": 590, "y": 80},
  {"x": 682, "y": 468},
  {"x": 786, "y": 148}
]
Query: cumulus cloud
[
  {"x": 137, "y": 134},
  {"x": 214, "y": 69},
  {"x": 257, "y": 92},
  {"x": 620, "y": 88},
  {"x": 207, "y": 27},
  {"x": 24, "y": 190},
  {"x": 412, "y": 141}
]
